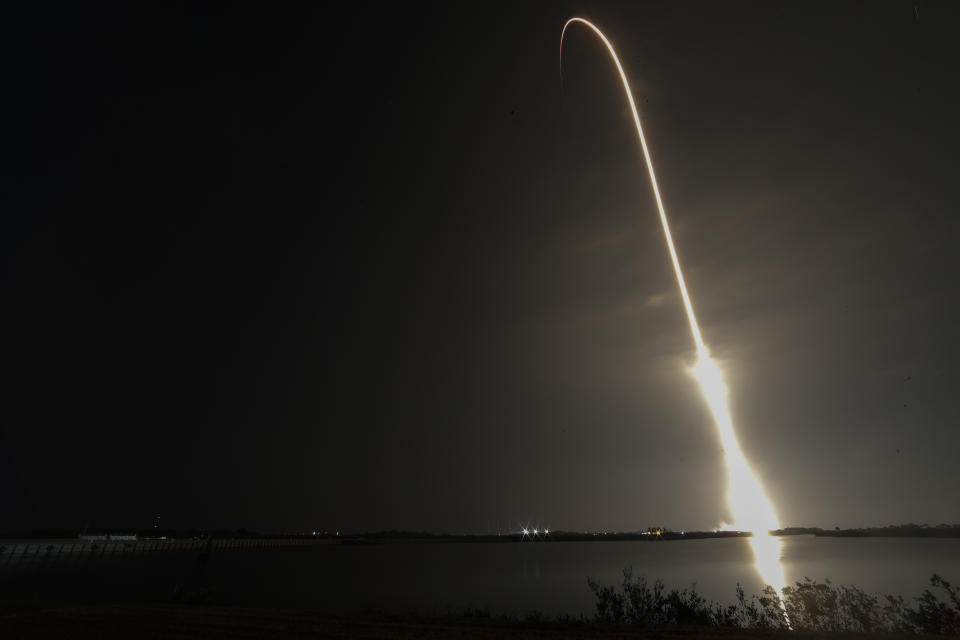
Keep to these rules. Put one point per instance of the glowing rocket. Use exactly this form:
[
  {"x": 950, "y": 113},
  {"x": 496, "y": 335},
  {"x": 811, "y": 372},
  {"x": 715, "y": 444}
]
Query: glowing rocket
[{"x": 749, "y": 504}]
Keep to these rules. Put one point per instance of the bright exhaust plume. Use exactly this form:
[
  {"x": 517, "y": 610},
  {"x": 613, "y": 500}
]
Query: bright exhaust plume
[{"x": 749, "y": 505}]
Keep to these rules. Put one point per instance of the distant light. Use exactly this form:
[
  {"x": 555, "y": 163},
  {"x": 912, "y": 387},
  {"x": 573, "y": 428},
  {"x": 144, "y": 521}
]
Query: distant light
[
  {"x": 525, "y": 532},
  {"x": 546, "y": 532},
  {"x": 534, "y": 532}
]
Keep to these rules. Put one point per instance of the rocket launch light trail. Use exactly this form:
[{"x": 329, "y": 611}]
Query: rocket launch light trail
[{"x": 750, "y": 506}]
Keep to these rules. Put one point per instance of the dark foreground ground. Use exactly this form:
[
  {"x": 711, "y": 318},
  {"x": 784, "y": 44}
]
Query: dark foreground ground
[{"x": 74, "y": 620}]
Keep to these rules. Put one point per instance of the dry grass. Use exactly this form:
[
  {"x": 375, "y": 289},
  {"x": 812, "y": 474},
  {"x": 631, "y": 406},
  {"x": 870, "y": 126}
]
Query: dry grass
[{"x": 29, "y": 620}]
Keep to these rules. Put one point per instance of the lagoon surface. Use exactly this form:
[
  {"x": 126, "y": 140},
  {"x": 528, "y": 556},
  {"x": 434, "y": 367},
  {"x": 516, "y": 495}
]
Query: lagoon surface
[{"x": 549, "y": 577}]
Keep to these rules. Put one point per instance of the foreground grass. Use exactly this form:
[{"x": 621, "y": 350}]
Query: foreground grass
[
  {"x": 35, "y": 620},
  {"x": 809, "y": 606},
  {"x": 631, "y": 609}
]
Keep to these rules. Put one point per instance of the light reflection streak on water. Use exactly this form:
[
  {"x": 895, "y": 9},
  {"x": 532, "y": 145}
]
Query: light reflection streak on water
[
  {"x": 767, "y": 558},
  {"x": 767, "y": 550}
]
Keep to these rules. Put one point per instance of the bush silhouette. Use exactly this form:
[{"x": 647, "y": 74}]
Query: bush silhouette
[{"x": 807, "y": 606}]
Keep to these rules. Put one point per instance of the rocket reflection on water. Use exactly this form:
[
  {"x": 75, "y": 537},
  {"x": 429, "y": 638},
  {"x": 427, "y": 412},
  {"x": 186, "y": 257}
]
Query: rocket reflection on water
[{"x": 751, "y": 509}]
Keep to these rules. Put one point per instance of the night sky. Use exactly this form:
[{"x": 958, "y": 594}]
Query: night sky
[{"x": 377, "y": 269}]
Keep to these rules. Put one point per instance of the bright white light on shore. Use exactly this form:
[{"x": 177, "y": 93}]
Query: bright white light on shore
[{"x": 750, "y": 507}]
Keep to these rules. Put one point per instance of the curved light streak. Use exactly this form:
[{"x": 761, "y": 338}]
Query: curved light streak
[{"x": 751, "y": 509}]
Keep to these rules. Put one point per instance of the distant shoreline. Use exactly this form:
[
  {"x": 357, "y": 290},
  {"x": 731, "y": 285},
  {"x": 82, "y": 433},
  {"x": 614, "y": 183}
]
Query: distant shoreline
[
  {"x": 399, "y": 537},
  {"x": 244, "y": 539}
]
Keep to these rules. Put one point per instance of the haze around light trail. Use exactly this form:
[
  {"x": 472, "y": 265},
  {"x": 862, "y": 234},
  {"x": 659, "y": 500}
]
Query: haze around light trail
[{"x": 749, "y": 505}]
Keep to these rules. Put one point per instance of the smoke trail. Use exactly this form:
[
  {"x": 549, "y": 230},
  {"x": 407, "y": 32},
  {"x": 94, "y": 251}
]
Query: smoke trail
[{"x": 751, "y": 508}]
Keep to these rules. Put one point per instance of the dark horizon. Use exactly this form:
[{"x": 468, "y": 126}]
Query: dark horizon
[
  {"x": 907, "y": 529},
  {"x": 285, "y": 268}
]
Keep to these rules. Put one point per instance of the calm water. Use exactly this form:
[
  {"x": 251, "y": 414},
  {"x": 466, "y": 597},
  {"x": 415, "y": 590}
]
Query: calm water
[{"x": 506, "y": 578}]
